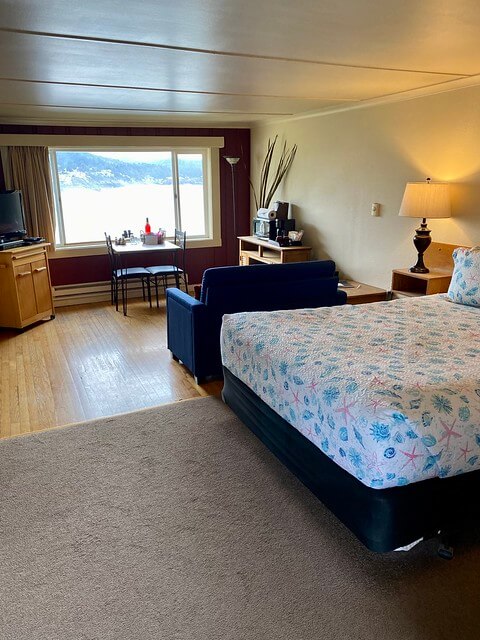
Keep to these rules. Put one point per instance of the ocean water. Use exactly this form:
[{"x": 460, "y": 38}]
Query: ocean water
[{"x": 88, "y": 213}]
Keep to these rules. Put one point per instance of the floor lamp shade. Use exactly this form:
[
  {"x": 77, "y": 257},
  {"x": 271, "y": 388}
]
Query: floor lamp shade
[{"x": 425, "y": 200}]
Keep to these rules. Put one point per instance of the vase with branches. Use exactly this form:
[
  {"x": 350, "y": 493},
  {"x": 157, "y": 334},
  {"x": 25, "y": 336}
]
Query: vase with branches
[{"x": 269, "y": 184}]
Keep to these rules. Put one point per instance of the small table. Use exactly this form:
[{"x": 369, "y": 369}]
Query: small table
[
  {"x": 362, "y": 293},
  {"x": 130, "y": 247},
  {"x": 134, "y": 248}
]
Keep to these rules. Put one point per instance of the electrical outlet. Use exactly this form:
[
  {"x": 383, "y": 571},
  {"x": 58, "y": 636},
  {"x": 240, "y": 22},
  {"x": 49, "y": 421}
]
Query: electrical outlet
[{"x": 375, "y": 210}]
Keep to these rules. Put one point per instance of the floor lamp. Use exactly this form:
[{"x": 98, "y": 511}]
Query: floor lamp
[{"x": 232, "y": 162}]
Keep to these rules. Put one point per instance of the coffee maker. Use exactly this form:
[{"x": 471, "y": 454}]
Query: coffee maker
[
  {"x": 270, "y": 229},
  {"x": 273, "y": 222}
]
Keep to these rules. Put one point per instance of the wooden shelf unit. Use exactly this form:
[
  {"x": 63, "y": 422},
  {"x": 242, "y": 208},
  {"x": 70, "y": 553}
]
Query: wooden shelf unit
[
  {"x": 254, "y": 250},
  {"x": 25, "y": 288}
]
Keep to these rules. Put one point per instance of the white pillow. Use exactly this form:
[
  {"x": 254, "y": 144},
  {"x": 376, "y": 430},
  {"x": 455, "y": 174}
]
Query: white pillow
[{"x": 465, "y": 284}]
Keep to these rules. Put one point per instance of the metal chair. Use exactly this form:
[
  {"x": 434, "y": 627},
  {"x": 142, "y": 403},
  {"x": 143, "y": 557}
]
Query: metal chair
[
  {"x": 121, "y": 276},
  {"x": 176, "y": 270}
]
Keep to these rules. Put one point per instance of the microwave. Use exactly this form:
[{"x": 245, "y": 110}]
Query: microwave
[{"x": 270, "y": 229}]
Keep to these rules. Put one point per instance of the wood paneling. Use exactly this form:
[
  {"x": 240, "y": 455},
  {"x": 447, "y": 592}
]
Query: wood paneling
[{"x": 89, "y": 362}]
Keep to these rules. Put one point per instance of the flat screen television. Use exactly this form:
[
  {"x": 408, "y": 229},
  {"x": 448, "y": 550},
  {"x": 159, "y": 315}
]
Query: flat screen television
[{"x": 12, "y": 218}]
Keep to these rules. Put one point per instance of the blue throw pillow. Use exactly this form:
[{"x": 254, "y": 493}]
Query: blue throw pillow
[{"x": 465, "y": 284}]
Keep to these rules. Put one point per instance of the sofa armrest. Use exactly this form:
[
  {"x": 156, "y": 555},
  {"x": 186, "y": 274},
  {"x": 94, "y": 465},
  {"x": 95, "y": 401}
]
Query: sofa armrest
[
  {"x": 188, "y": 330},
  {"x": 183, "y": 299},
  {"x": 341, "y": 297}
]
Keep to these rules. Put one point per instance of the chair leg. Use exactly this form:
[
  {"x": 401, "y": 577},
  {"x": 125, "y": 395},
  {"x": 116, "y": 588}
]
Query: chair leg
[
  {"x": 116, "y": 294},
  {"x": 125, "y": 297},
  {"x": 149, "y": 289},
  {"x": 156, "y": 291},
  {"x": 143, "y": 288}
]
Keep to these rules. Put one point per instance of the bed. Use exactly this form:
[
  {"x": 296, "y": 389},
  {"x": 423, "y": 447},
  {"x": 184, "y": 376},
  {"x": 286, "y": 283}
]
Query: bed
[{"x": 376, "y": 408}]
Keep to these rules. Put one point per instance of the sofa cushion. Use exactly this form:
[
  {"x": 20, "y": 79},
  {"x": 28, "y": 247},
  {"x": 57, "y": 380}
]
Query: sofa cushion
[
  {"x": 274, "y": 296},
  {"x": 265, "y": 273}
]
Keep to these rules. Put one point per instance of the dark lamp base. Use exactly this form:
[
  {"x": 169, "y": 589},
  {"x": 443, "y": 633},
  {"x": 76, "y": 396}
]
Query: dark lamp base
[
  {"x": 416, "y": 269},
  {"x": 421, "y": 241}
]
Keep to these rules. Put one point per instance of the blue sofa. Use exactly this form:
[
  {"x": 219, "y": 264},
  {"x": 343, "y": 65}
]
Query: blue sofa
[{"x": 193, "y": 326}]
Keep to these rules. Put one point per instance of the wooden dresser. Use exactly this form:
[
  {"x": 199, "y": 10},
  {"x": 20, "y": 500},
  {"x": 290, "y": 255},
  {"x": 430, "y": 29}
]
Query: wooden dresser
[{"x": 25, "y": 288}]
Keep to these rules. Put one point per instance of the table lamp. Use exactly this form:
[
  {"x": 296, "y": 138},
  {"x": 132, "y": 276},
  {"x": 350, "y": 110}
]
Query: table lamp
[{"x": 425, "y": 200}]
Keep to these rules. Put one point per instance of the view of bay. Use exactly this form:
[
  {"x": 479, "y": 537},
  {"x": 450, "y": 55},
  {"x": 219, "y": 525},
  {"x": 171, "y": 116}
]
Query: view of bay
[
  {"x": 88, "y": 213},
  {"x": 116, "y": 191}
]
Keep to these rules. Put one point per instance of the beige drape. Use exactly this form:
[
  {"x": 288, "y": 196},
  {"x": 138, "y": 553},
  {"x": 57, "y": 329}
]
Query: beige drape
[{"x": 30, "y": 172}]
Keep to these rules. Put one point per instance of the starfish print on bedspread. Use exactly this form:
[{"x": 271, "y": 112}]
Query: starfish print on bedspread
[
  {"x": 411, "y": 455},
  {"x": 449, "y": 432},
  {"x": 374, "y": 463},
  {"x": 374, "y": 404},
  {"x": 465, "y": 452},
  {"x": 345, "y": 409},
  {"x": 296, "y": 400}
]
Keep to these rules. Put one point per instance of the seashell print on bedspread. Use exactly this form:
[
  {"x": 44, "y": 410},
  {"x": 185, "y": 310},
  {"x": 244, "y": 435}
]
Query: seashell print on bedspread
[{"x": 390, "y": 391}]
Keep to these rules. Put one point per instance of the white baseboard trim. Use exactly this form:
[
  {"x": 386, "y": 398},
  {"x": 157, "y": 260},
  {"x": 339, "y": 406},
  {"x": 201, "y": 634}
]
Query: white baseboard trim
[{"x": 87, "y": 292}]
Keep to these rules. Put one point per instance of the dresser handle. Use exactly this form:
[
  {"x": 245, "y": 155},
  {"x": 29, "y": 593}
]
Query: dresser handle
[
  {"x": 24, "y": 273},
  {"x": 38, "y": 269}
]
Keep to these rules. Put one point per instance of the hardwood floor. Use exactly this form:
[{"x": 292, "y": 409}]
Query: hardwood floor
[{"x": 90, "y": 361}]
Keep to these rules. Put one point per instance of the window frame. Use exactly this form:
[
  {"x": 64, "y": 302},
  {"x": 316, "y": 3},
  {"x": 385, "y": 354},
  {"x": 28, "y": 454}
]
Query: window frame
[{"x": 211, "y": 193}]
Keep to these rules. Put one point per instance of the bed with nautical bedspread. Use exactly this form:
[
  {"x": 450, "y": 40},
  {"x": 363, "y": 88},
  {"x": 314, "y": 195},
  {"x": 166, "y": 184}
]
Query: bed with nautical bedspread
[
  {"x": 376, "y": 407},
  {"x": 390, "y": 391}
]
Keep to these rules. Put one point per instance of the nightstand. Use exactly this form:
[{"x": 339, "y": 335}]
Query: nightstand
[
  {"x": 406, "y": 283},
  {"x": 361, "y": 293},
  {"x": 438, "y": 259}
]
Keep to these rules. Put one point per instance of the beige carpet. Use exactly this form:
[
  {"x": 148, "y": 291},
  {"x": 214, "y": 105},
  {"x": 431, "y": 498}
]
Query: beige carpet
[{"x": 176, "y": 523}]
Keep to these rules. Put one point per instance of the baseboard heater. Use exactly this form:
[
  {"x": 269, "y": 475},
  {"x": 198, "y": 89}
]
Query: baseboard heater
[{"x": 87, "y": 292}]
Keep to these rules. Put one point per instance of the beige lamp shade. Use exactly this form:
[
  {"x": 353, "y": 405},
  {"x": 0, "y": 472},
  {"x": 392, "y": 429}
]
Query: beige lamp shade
[{"x": 426, "y": 200}]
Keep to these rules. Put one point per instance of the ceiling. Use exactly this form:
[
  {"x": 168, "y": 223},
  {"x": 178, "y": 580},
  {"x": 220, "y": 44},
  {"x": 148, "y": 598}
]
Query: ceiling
[{"x": 226, "y": 62}]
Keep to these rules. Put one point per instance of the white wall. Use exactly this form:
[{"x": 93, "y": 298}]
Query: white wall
[{"x": 346, "y": 161}]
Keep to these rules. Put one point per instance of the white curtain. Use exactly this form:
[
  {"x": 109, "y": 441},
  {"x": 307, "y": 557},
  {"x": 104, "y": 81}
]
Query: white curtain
[{"x": 29, "y": 171}]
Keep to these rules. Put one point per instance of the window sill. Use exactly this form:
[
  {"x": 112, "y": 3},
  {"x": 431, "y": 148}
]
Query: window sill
[{"x": 77, "y": 251}]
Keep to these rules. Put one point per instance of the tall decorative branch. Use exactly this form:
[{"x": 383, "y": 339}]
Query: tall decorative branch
[{"x": 268, "y": 188}]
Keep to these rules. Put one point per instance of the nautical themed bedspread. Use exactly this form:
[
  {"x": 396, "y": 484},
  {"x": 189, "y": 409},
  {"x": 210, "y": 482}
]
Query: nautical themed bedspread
[{"x": 389, "y": 391}]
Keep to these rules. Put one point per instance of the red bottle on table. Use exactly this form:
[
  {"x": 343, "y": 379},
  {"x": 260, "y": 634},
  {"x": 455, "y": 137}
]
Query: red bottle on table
[{"x": 148, "y": 228}]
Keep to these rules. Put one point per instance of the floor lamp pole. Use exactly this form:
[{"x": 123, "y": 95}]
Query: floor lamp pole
[{"x": 232, "y": 162}]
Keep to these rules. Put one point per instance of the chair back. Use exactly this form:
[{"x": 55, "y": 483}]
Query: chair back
[
  {"x": 111, "y": 254},
  {"x": 180, "y": 241}
]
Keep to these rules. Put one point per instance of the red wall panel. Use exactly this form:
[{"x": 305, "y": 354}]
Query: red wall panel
[{"x": 237, "y": 143}]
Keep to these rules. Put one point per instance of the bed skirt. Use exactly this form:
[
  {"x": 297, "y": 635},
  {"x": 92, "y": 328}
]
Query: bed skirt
[{"x": 382, "y": 519}]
